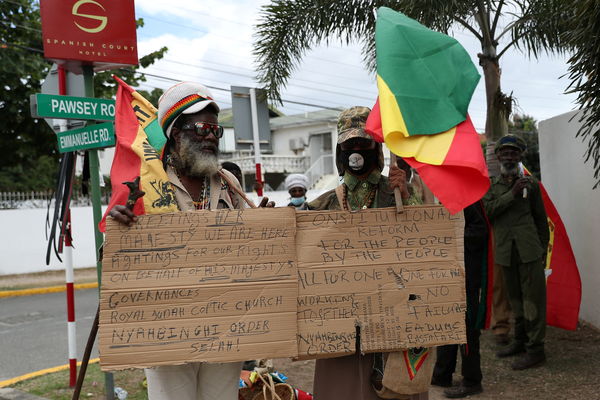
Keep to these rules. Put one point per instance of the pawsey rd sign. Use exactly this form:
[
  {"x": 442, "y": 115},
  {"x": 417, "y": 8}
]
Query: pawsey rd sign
[
  {"x": 70, "y": 107},
  {"x": 89, "y": 137}
]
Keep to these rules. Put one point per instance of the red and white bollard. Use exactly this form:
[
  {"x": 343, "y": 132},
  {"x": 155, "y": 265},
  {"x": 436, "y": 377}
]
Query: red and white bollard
[{"x": 71, "y": 328}]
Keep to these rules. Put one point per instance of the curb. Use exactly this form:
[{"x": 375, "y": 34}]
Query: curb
[
  {"x": 51, "y": 289},
  {"x": 12, "y": 381}
]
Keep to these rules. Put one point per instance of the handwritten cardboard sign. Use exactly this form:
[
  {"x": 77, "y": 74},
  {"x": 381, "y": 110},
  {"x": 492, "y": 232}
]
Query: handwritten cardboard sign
[
  {"x": 199, "y": 286},
  {"x": 399, "y": 278},
  {"x": 233, "y": 285}
]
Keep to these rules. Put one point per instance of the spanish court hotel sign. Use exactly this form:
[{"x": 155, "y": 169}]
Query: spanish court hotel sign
[{"x": 97, "y": 32}]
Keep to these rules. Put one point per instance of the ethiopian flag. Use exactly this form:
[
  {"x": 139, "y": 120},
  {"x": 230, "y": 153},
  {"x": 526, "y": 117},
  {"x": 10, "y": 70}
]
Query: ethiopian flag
[
  {"x": 139, "y": 142},
  {"x": 425, "y": 81}
]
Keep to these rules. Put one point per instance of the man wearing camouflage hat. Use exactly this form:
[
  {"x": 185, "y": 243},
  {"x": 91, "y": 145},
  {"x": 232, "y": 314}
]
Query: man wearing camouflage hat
[
  {"x": 516, "y": 211},
  {"x": 359, "y": 161}
]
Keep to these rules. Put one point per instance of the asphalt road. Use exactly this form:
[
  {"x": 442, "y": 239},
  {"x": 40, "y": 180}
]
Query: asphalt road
[{"x": 33, "y": 331}]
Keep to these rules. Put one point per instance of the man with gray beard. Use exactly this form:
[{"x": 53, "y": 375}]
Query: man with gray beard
[
  {"x": 516, "y": 211},
  {"x": 188, "y": 116}
]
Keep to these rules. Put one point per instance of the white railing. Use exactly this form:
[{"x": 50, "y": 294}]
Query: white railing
[
  {"x": 323, "y": 166},
  {"x": 12, "y": 200},
  {"x": 272, "y": 163}
]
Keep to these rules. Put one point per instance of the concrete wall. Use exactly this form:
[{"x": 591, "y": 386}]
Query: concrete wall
[
  {"x": 281, "y": 139},
  {"x": 23, "y": 241},
  {"x": 569, "y": 182}
]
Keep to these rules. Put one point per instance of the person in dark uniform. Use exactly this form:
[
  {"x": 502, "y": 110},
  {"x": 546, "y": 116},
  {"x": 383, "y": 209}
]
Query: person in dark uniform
[
  {"x": 475, "y": 242},
  {"x": 516, "y": 211}
]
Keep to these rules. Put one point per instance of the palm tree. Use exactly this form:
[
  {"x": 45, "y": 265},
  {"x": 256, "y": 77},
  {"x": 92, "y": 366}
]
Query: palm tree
[
  {"x": 582, "y": 36},
  {"x": 288, "y": 28}
]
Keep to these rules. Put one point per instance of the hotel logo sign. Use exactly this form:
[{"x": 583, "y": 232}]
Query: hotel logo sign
[{"x": 99, "y": 32}]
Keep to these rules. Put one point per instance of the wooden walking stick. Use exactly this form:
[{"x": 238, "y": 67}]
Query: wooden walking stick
[
  {"x": 397, "y": 193},
  {"x": 237, "y": 190},
  {"x": 134, "y": 194}
]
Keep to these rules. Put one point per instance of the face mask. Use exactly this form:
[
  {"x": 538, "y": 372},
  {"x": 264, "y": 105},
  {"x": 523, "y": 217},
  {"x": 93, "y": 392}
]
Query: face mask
[
  {"x": 358, "y": 162},
  {"x": 298, "y": 201}
]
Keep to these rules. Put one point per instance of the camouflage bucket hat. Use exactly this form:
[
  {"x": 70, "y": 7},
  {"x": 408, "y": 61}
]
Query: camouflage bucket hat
[
  {"x": 351, "y": 124},
  {"x": 510, "y": 141}
]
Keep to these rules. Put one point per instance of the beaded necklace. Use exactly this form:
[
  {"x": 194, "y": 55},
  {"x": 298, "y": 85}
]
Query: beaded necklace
[
  {"x": 203, "y": 200},
  {"x": 203, "y": 197},
  {"x": 370, "y": 198}
]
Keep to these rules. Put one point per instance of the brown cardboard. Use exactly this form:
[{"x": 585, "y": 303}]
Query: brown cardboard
[
  {"x": 234, "y": 285},
  {"x": 199, "y": 286},
  {"x": 399, "y": 278}
]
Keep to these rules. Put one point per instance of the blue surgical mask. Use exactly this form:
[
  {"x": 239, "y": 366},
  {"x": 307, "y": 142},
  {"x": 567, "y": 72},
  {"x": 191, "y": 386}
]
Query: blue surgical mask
[{"x": 298, "y": 201}]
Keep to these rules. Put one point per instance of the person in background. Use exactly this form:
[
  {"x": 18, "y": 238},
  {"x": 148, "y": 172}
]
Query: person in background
[
  {"x": 516, "y": 211},
  {"x": 234, "y": 169},
  {"x": 475, "y": 242},
  {"x": 297, "y": 185},
  {"x": 237, "y": 172}
]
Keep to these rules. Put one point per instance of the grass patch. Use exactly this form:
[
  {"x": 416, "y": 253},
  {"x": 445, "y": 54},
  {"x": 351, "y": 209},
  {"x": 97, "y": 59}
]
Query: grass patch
[{"x": 55, "y": 386}]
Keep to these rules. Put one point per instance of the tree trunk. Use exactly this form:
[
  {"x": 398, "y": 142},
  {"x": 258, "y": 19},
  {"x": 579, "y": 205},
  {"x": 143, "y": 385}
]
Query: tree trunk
[{"x": 498, "y": 107}]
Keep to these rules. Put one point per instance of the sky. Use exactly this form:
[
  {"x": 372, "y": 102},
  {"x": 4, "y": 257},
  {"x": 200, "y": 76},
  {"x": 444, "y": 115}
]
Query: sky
[{"x": 210, "y": 41}]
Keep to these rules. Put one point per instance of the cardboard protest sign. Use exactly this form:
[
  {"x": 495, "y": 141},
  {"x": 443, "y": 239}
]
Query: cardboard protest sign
[
  {"x": 199, "y": 286},
  {"x": 233, "y": 285},
  {"x": 399, "y": 278}
]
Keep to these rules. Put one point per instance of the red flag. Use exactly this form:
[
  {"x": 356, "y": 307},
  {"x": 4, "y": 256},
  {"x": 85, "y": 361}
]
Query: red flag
[
  {"x": 373, "y": 125},
  {"x": 563, "y": 283},
  {"x": 134, "y": 156},
  {"x": 461, "y": 178}
]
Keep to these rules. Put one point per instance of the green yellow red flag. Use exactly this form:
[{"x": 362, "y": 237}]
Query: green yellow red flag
[
  {"x": 425, "y": 81},
  {"x": 139, "y": 142},
  {"x": 425, "y": 78}
]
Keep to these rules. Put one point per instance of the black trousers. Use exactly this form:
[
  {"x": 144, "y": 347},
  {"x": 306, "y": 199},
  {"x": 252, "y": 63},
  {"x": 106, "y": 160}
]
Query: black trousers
[{"x": 471, "y": 365}]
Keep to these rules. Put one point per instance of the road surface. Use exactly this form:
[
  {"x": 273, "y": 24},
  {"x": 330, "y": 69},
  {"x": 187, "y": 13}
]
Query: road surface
[{"x": 33, "y": 331}]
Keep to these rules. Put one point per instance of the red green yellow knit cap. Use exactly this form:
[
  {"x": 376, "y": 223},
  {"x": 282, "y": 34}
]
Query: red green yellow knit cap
[{"x": 183, "y": 98}]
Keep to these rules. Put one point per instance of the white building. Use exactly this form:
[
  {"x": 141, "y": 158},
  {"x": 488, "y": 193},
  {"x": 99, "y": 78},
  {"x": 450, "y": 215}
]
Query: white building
[
  {"x": 302, "y": 143},
  {"x": 569, "y": 181}
]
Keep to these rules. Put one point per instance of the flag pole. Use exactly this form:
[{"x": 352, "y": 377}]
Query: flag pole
[{"x": 397, "y": 193}]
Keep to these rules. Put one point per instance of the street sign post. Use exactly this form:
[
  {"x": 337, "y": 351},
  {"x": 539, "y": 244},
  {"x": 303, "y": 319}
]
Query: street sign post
[
  {"x": 71, "y": 107},
  {"x": 90, "y": 137},
  {"x": 74, "y": 87}
]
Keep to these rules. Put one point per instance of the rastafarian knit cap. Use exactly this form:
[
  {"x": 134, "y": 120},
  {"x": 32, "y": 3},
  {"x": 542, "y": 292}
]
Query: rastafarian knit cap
[{"x": 183, "y": 98}]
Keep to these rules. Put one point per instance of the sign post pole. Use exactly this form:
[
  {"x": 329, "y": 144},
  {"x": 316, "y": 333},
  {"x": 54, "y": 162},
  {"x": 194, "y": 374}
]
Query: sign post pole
[
  {"x": 69, "y": 272},
  {"x": 256, "y": 140},
  {"x": 88, "y": 78}
]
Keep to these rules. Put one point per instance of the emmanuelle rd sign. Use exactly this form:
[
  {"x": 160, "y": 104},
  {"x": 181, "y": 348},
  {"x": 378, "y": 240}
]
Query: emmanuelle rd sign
[
  {"x": 100, "y": 32},
  {"x": 90, "y": 137}
]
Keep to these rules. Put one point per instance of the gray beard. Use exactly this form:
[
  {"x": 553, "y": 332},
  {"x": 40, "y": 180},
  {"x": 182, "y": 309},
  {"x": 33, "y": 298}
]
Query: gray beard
[
  {"x": 509, "y": 169},
  {"x": 192, "y": 161}
]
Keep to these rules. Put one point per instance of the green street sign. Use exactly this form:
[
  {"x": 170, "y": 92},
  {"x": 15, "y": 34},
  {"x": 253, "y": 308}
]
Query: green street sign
[
  {"x": 70, "y": 107},
  {"x": 89, "y": 137}
]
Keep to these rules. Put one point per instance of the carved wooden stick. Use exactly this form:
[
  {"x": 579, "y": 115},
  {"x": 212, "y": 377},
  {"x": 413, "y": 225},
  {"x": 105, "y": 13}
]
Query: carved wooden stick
[
  {"x": 397, "y": 193},
  {"x": 237, "y": 190}
]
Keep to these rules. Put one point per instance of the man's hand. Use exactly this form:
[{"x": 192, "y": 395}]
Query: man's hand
[
  {"x": 397, "y": 179},
  {"x": 519, "y": 185},
  {"x": 266, "y": 203},
  {"x": 123, "y": 215}
]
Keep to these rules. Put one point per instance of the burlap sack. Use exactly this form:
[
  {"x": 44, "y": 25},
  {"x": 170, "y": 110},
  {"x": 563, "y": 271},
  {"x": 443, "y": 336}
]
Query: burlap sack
[{"x": 397, "y": 382}]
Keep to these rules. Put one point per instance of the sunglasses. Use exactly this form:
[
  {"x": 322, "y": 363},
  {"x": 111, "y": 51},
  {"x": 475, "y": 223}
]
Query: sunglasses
[{"x": 204, "y": 129}]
